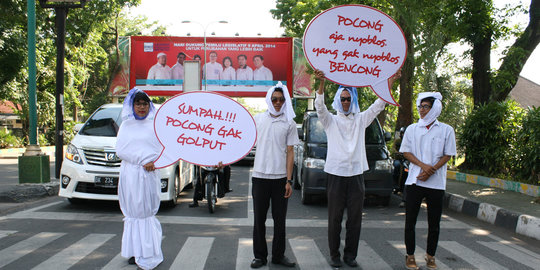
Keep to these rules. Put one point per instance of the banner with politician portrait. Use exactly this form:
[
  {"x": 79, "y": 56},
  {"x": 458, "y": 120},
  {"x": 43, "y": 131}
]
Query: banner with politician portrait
[{"x": 233, "y": 66}]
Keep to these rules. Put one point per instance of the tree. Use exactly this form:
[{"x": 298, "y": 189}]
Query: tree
[
  {"x": 478, "y": 24},
  {"x": 91, "y": 38}
]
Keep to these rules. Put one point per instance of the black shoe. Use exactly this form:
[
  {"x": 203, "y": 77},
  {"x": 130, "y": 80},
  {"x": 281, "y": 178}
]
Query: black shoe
[
  {"x": 350, "y": 262},
  {"x": 336, "y": 262},
  {"x": 131, "y": 260},
  {"x": 284, "y": 261},
  {"x": 228, "y": 190},
  {"x": 194, "y": 204},
  {"x": 257, "y": 263}
]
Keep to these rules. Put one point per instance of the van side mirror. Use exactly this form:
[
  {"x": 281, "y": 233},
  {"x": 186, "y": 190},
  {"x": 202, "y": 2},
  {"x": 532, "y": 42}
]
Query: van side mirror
[
  {"x": 77, "y": 127},
  {"x": 301, "y": 134},
  {"x": 387, "y": 136}
]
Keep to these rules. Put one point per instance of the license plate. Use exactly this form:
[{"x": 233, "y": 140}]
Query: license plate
[{"x": 106, "y": 181}]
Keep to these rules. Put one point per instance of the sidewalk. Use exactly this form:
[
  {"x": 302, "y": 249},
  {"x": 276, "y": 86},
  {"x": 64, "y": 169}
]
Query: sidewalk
[{"x": 511, "y": 210}]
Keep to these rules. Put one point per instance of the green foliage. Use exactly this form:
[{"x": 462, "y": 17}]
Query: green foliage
[
  {"x": 8, "y": 140},
  {"x": 488, "y": 137},
  {"x": 527, "y": 164}
]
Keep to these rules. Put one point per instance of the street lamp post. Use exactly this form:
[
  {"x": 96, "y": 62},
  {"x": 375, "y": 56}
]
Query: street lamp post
[
  {"x": 204, "y": 34},
  {"x": 61, "y": 8}
]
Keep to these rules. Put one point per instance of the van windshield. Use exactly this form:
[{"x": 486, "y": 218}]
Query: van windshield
[
  {"x": 318, "y": 135},
  {"x": 104, "y": 122}
]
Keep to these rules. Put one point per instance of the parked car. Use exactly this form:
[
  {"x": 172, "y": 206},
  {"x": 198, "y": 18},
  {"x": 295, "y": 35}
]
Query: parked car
[
  {"x": 91, "y": 168},
  {"x": 310, "y": 157}
]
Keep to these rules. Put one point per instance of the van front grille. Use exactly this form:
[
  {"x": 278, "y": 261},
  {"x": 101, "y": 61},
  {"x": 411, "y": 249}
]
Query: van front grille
[{"x": 102, "y": 158}]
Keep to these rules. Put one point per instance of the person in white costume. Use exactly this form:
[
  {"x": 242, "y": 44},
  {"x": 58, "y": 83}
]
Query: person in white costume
[
  {"x": 272, "y": 174},
  {"x": 138, "y": 186},
  {"x": 261, "y": 73},
  {"x": 159, "y": 71},
  {"x": 228, "y": 71},
  {"x": 177, "y": 71},
  {"x": 346, "y": 162},
  {"x": 428, "y": 145}
]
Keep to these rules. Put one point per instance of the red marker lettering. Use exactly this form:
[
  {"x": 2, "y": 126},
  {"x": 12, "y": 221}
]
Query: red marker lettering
[{"x": 358, "y": 23}]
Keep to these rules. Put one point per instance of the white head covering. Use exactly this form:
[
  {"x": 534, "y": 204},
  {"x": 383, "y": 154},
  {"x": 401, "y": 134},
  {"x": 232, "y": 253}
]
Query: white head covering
[
  {"x": 354, "y": 108},
  {"x": 127, "y": 109},
  {"x": 287, "y": 108},
  {"x": 435, "y": 111},
  {"x": 161, "y": 54}
]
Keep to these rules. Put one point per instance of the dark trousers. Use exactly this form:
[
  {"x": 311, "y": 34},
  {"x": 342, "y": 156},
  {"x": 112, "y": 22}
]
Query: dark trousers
[
  {"x": 345, "y": 192},
  {"x": 434, "y": 201},
  {"x": 265, "y": 191}
]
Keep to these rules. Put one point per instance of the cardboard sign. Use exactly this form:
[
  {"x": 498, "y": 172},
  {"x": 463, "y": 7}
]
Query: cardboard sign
[
  {"x": 203, "y": 128},
  {"x": 356, "y": 45}
]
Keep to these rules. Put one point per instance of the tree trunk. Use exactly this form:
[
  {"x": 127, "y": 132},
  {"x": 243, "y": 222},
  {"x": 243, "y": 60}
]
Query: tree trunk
[
  {"x": 481, "y": 65},
  {"x": 517, "y": 56},
  {"x": 406, "y": 82}
]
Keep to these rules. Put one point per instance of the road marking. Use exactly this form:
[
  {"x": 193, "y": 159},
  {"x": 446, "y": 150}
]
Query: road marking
[
  {"x": 186, "y": 220},
  {"x": 193, "y": 254},
  {"x": 118, "y": 262},
  {"x": 419, "y": 254},
  {"x": 6, "y": 233},
  {"x": 308, "y": 254},
  {"x": 22, "y": 248},
  {"x": 470, "y": 256},
  {"x": 515, "y": 252},
  {"x": 244, "y": 254},
  {"x": 74, "y": 253},
  {"x": 367, "y": 258}
]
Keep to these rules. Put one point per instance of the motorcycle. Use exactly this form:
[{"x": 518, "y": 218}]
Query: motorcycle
[
  {"x": 209, "y": 186},
  {"x": 401, "y": 172}
]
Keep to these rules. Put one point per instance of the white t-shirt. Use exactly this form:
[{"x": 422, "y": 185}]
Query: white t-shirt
[
  {"x": 159, "y": 72},
  {"x": 273, "y": 137},
  {"x": 177, "y": 72},
  {"x": 262, "y": 74},
  {"x": 245, "y": 73},
  {"x": 346, "y": 153},
  {"x": 429, "y": 146},
  {"x": 214, "y": 70},
  {"x": 228, "y": 74}
]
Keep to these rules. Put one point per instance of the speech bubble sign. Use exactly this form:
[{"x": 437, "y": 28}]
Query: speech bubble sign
[
  {"x": 356, "y": 45},
  {"x": 203, "y": 128}
]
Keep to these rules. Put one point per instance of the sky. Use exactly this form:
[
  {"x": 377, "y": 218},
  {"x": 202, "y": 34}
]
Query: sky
[{"x": 251, "y": 18}]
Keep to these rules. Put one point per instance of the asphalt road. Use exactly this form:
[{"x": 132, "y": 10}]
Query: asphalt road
[{"x": 55, "y": 234}]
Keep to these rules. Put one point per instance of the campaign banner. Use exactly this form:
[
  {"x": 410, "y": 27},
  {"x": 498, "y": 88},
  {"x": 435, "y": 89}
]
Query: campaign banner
[
  {"x": 233, "y": 66},
  {"x": 203, "y": 128},
  {"x": 356, "y": 45}
]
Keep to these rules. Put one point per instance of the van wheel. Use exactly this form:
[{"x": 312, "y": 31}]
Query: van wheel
[
  {"x": 306, "y": 199},
  {"x": 385, "y": 201},
  {"x": 172, "y": 203},
  {"x": 296, "y": 183}
]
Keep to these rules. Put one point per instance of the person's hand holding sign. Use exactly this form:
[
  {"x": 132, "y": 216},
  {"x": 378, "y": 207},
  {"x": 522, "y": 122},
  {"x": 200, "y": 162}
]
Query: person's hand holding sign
[{"x": 319, "y": 74}]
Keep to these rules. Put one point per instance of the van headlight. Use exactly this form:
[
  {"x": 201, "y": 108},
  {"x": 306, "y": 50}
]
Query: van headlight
[
  {"x": 73, "y": 155},
  {"x": 383, "y": 165},
  {"x": 314, "y": 163}
]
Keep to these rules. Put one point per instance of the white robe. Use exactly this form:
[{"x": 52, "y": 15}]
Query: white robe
[{"x": 138, "y": 192}]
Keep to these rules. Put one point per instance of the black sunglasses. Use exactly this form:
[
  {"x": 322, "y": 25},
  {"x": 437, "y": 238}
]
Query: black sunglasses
[
  {"x": 343, "y": 99},
  {"x": 280, "y": 99}
]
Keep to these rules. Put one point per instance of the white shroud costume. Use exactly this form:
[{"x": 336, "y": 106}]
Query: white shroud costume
[{"x": 138, "y": 189}]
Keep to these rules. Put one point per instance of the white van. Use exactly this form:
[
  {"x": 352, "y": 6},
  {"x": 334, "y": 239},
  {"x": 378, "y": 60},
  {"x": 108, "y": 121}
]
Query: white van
[{"x": 91, "y": 168}]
